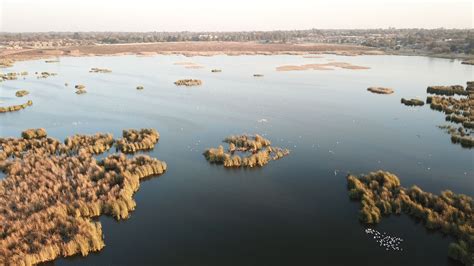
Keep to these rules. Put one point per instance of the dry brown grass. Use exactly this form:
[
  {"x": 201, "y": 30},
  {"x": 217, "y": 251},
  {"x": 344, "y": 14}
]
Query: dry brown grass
[
  {"x": 380, "y": 90},
  {"x": 326, "y": 66},
  {"x": 138, "y": 140},
  {"x": 188, "y": 82},
  {"x": 52, "y": 190},
  {"x": 9, "y": 76},
  {"x": 191, "y": 49},
  {"x": 458, "y": 109},
  {"x": 258, "y": 149},
  {"x": 412, "y": 102},
  {"x": 14, "y": 108},
  {"x": 21, "y": 93},
  {"x": 381, "y": 194},
  {"x": 6, "y": 63},
  {"x": 44, "y": 75},
  {"x": 447, "y": 90}
]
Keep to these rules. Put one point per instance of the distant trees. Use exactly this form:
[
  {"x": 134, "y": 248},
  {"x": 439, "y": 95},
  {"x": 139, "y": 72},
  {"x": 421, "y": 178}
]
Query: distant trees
[{"x": 425, "y": 40}]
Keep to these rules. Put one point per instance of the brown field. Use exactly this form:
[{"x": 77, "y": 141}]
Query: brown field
[
  {"x": 326, "y": 66},
  {"x": 189, "y": 49}
]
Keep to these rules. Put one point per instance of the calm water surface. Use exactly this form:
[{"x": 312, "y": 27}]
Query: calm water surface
[{"x": 292, "y": 212}]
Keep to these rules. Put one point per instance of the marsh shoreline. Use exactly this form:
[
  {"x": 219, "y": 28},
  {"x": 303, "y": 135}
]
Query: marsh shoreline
[{"x": 188, "y": 49}]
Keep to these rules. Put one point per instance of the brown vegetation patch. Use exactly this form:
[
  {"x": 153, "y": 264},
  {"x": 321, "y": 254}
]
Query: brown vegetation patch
[
  {"x": 259, "y": 150},
  {"x": 6, "y": 63},
  {"x": 9, "y": 76},
  {"x": 138, "y": 140},
  {"x": 412, "y": 102},
  {"x": 100, "y": 70},
  {"x": 37, "y": 133},
  {"x": 208, "y": 48},
  {"x": 52, "y": 190},
  {"x": 326, "y": 66},
  {"x": 188, "y": 82},
  {"x": 447, "y": 90},
  {"x": 145, "y": 54},
  {"x": 13, "y": 108},
  {"x": 381, "y": 194},
  {"x": 380, "y": 90},
  {"x": 459, "y": 110},
  {"x": 460, "y": 135},
  {"x": 52, "y": 52},
  {"x": 45, "y": 74},
  {"x": 21, "y": 93},
  {"x": 470, "y": 86},
  {"x": 468, "y": 62}
]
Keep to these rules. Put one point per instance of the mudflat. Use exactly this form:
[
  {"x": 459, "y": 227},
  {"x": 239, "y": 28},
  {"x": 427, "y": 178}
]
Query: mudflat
[{"x": 188, "y": 49}]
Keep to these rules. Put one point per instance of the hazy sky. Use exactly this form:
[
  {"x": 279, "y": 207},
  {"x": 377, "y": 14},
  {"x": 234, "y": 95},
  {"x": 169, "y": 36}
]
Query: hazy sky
[{"x": 221, "y": 15}]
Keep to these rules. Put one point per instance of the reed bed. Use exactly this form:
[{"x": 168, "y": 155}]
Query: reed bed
[{"x": 381, "y": 194}]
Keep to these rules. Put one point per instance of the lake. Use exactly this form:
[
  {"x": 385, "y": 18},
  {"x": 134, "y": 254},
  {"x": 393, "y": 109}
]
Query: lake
[{"x": 292, "y": 211}]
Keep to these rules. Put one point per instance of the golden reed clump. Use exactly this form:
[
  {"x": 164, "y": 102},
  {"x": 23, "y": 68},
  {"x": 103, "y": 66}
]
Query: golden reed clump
[
  {"x": 260, "y": 152},
  {"x": 12, "y": 75},
  {"x": 380, "y": 194},
  {"x": 138, "y": 140},
  {"x": 52, "y": 190},
  {"x": 14, "y": 108},
  {"x": 44, "y": 75},
  {"x": 447, "y": 90},
  {"x": 412, "y": 102},
  {"x": 459, "y": 110},
  {"x": 380, "y": 90},
  {"x": 21, "y": 93},
  {"x": 6, "y": 63},
  {"x": 96, "y": 144},
  {"x": 188, "y": 82}
]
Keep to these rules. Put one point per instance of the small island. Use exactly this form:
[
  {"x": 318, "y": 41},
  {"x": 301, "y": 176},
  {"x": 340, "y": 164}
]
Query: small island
[
  {"x": 137, "y": 140},
  {"x": 21, "y": 93},
  {"x": 14, "y": 108},
  {"x": 412, "y": 102},
  {"x": 381, "y": 194},
  {"x": 36, "y": 228},
  {"x": 188, "y": 82},
  {"x": 457, "y": 104},
  {"x": 256, "y": 151},
  {"x": 380, "y": 90}
]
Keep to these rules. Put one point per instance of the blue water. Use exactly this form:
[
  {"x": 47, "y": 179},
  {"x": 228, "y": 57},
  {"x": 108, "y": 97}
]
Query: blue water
[{"x": 293, "y": 211}]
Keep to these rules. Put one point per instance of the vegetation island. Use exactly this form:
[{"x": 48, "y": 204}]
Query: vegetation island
[
  {"x": 256, "y": 151},
  {"x": 381, "y": 194},
  {"x": 53, "y": 191}
]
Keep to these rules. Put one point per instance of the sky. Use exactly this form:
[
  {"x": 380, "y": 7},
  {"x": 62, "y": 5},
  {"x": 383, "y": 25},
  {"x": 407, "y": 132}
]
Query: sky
[{"x": 221, "y": 15}]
